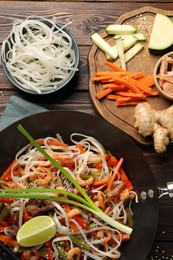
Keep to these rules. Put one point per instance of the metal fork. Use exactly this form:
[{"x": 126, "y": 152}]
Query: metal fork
[{"x": 6, "y": 253}]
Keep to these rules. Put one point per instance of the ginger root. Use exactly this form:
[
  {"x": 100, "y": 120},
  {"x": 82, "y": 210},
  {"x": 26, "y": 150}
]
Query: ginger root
[{"x": 155, "y": 123}]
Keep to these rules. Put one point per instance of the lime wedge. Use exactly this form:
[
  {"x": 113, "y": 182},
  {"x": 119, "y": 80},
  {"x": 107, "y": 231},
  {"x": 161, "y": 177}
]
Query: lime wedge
[{"x": 36, "y": 231}]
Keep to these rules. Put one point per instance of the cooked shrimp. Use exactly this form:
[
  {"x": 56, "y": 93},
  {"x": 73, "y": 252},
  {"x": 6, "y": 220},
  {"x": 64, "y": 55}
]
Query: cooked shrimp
[
  {"x": 106, "y": 234},
  {"x": 101, "y": 200},
  {"x": 124, "y": 195},
  {"x": 45, "y": 181},
  {"x": 84, "y": 183},
  {"x": 74, "y": 253},
  {"x": 73, "y": 213}
]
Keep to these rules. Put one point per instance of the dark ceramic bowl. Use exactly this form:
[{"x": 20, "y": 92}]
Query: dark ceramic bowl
[{"x": 58, "y": 86}]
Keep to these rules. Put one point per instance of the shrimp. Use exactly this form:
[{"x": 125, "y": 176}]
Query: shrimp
[
  {"x": 84, "y": 183},
  {"x": 73, "y": 212},
  {"x": 101, "y": 203},
  {"x": 106, "y": 234},
  {"x": 124, "y": 194},
  {"x": 74, "y": 253},
  {"x": 45, "y": 181}
]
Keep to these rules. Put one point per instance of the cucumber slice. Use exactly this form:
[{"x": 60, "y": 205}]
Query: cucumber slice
[
  {"x": 120, "y": 29},
  {"x": 127, "y": 43},
  {"x": 161, "y": 39},
  {"x": 131, "y": 53},
  {"x": 103, "y": 45}
]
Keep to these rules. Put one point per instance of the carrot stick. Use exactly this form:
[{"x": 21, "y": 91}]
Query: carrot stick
[
  {"x": 52, "y": 142},
  {"x": 139, "y": 74},
  {"x": 139, "y": 85},
  {"x": 112, "y": 73},
  {"x": 117, "y": 168},
  {"x": 8, "y": 240},
  {"x": 100, "y": 78},
  {"x": 125, "y": 179},
  {"x": 130, "y": 94},
  {"x": 113, "y": 96},
  {"x": 128, "y": 84},
  {"x": 80, "y": 147},
  {"x": 115, "y": 67},
  {"x": 101, "y": 182},
  {"x": 127, "y": 103},
  {"x": 104, "y": 93},
  {"x": 148, "y": 80}
]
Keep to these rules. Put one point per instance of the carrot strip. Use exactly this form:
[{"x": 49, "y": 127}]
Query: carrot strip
[
  {"x": 128, "y": 84},
  {"x": 139, "y": 85},
  {"x": 128, "y": 103},
  {"x": 51, "y": 142},
  {"x": 101, "y": 182},
  {"x": 139, "y": 74},
  {"x": 111, "y": 73},
  {"x": 8, "y": 240},
  {"x": 148, "y": 80},
  {"x": 104, "y": 93},
  {"x": 130, "y": 94},
  {"x": 125, "y": 179},
  {"x": 100, "y": 78},
  {"x": 79, "y": 146},
  {"x": 113, "y": 96},
  {"x": 117, "y": 168},
  {"x": 115, "y": 67}
]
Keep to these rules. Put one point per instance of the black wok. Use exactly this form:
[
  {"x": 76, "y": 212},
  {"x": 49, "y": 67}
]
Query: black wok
[{"x": 113, "y": 139}]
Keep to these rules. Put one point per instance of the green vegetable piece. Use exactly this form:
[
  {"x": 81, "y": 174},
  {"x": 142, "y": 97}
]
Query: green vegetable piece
[
  {"x": 62, "y": 252},
  {"x": 161, "y": 39},
  {"x": 129, "y": 217},
  {"x": 4, "y": 213},
  {"x": 120, "y": 29},
  {"x": 80, "y": 243}
]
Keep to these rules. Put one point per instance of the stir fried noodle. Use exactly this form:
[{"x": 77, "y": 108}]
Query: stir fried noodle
[
  {"x": 80, "y": 234},
  {"x": 40, "y": 56}
]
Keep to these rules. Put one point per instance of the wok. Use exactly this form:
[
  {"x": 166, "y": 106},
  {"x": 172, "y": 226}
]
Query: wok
[{"x": 117, "y": 142}]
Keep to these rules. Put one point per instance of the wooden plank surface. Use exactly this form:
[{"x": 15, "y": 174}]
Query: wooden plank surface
[{"x": 87, "y": 17}]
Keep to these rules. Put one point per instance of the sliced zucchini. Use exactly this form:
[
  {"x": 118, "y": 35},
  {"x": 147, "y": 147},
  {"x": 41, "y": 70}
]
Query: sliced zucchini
[
  {"x": 120, "y": 51},
  {"x": 161, "y": 39},
  {"x": 120, "y": 29},
  {"x": 103, "y": 45},
  {"x": 128, "y": 42},
  {"x": 140, "y": 36},
  {"x": 131, "y": 53}
]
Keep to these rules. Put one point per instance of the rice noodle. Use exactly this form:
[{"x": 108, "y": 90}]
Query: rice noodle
[{"x": 41, "y": 56}]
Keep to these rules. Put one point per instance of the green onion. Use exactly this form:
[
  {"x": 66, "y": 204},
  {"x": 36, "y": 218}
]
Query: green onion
[
  {"x": 85, "y": 202},
  {"x": 78, "y": 242},
  {"x": 58, "y": 166}
]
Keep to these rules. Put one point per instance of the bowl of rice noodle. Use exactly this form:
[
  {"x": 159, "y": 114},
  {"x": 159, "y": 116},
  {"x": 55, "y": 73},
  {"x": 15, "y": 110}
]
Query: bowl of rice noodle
[{"x": 39, "y": 57}]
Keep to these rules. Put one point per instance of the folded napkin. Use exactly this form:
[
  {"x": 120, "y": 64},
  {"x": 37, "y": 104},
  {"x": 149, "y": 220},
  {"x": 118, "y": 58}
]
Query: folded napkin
[{"x": 17, "y": 109}]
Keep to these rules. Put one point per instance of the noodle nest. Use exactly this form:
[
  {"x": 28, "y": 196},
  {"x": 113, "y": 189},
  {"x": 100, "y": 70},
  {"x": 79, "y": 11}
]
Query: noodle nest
[{"x": 39, "y": 56}]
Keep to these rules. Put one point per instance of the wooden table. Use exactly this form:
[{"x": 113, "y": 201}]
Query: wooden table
[{"x": 87, "y": 17}]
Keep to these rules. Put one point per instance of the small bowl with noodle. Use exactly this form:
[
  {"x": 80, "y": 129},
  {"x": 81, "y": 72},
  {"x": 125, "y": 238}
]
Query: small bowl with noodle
[{"x": 39, "y": 57}]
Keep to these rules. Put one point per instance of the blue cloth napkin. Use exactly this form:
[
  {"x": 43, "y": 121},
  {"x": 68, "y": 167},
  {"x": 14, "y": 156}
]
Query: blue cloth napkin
[{"x": 16, "y": 109}]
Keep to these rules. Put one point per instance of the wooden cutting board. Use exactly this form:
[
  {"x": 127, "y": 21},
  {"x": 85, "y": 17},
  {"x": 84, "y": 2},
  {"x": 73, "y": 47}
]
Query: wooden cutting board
[{"x": 123, "y": 117}]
